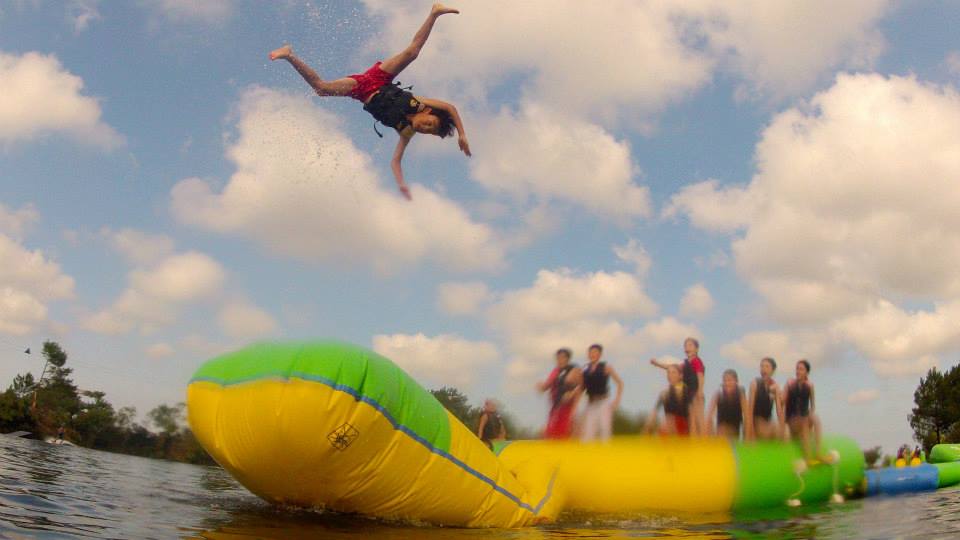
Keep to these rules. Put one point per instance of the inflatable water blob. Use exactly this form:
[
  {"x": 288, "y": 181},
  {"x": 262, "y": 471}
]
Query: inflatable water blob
[
  {"x": 941, "y": 470},
  {"x": 335, "y": 426},
  {"x": 329, "y": 425}
]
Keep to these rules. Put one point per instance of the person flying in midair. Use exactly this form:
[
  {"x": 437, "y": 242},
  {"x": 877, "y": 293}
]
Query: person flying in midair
[{"x": 387, "y": 102}]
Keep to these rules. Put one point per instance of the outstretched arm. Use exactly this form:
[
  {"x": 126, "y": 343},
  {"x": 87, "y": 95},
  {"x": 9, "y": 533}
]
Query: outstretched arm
[
  {"x": 450, "y": 109},
  {"x": 659, "y": 364},
  {"x": 395, "y": 166},
  {"x": 619, "y": 382}
]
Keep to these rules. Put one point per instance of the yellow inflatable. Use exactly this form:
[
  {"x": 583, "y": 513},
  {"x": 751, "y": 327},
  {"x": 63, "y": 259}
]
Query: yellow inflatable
[{"x": 335, "y": 426}]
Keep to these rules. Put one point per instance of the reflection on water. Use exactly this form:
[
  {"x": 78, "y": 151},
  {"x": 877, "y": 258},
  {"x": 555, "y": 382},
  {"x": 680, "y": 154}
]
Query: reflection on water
[{"x": 67, "y": 492}]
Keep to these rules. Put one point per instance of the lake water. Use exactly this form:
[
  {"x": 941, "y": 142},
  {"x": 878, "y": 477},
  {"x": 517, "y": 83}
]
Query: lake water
[{"x": 51, "y": 491}]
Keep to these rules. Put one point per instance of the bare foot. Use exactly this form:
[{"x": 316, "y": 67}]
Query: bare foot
[
  {"x": 282, "y": 52},
  {"x": 406, "y": 191},
  {"x": 439, "y": 9}
]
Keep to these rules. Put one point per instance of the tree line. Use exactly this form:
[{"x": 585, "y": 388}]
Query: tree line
[
  {"x": 935, "y": 417},
  {"x": 42, "y": 407}
]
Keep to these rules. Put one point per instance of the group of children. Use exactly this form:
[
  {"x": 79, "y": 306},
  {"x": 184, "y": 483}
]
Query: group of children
[{"x": 732, "y": 411}]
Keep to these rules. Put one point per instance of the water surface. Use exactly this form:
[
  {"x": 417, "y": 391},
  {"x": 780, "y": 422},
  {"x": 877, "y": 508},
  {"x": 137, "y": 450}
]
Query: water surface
[{"x": 49, "y": 491}]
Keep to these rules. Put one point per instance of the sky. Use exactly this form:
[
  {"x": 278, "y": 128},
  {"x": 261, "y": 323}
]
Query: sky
[{"x": 775, "y": 178}]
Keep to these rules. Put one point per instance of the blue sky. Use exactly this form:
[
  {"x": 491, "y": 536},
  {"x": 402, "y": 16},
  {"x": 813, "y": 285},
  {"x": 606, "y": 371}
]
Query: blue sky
[{"x": 168, "y": 193}]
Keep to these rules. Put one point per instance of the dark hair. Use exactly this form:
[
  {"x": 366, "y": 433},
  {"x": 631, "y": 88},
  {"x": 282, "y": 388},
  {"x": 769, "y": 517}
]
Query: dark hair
[
  {"x": 596, "y": 346},
  {"x": 805, "y": 364},
  {"x": 564, "y": 351},
  {"x": 444, "y": 123},
  {"x": 694, "y": 341},
  {"x": 771, "y": 361},
  {"x": 732, "y": 373}
]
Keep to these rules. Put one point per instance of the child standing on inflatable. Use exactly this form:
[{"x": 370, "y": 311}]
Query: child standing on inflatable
[
  {"x": 387, "y": 102},
  {"x": 675, "y": 404},
  {"x": 801, "y": 415},
  {"x": 598, "y": 416},
  {"x": 730, "y": 404},
  {"x": 565, "y": 384},
  {"x": 764, "y": 397},
  {"x": 693, "y": 372},
  {"x": 490, "y": 426}
]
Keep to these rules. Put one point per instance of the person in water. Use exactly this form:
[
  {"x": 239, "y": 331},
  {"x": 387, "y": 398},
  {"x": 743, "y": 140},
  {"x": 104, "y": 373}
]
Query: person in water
[
  {"x": 61, "y": 433},
  {"x": 598, "y": 416},
  {"x": 675, "y": 404},
  {"x": 490, "y": 426},
  {"x": 387, "y": 102},
  {"x": 800, "y": 401},
  {"x": 730, "y": 404},
  {"x": 764, "y": 397},
  {"x": 693, "y": 372},
  {"x": 565, "y": 384}
]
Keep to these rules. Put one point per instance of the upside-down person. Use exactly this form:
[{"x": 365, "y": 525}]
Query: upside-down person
[{"x": 387, "y": 102}]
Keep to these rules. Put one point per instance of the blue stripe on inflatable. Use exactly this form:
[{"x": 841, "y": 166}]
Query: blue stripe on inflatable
[
  {"x": 894, "y": 480},
  {"x": 535, "y": 510}
]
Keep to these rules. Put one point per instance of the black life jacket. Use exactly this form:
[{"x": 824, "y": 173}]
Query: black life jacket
[
  {"x": 677, "y": 405},
  {"x": 595, "y": 379},
  {"x": 762, "y": 404},
  {"x": 729, "y": 411},
  {"x": 391, "y": 105},
  {"x": 798, "y": 402},
  {"x": 491, "y": 430},
  {"x": 559, "y": 387},
  {"x": 690, "y": 377}
]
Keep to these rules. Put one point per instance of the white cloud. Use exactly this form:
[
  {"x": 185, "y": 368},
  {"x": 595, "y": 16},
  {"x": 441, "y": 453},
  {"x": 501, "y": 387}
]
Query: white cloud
[
  {"x": 564, "y": 295},
  {"x": 139, "y": 247},
  {"x": 244, "y": 321},
  {"x": 159, "y": 350},
  {"x": 28, "y": 281},
  {"x": 566, "y": 308},
  {"x": 82, "y": 12},
  {"x": 634, "y": 253},
  {"x": 436, "y": 361},
  {"x": 204, "y": 11},
  {"x": 541, "y": 154},
  {"x": 901, "y": 342},
  {"x": 843, "y": 230},
  {"x": 865, "y": 395},
  {"x": 712, "y": 207},
  {"x": 15, "y": 223},
  {"x": 615, "y": 56},
  {"x": 462, "y": 298},
  {"x": 621, "y": 57},
  {"x": 696, "y": 302},
  {"x": 781, "y": 48},
  {"x": 39, "y": 97},
  {"x": 784, "y": 347},
  {"x": 302, "y": 189},
  {"x": 155, "y": 295}
]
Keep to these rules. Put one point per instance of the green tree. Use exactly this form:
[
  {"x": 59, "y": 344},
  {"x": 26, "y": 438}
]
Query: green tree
[
  {"x": 455, "y": 402},
  {"x": 627, "y": 424},
  {"x": 937, "y": 406},
  {"x": 167, "y": 418},
  {"x": 96, "y": 423},
  {"x": 15, "y": 413},
  {"x": 23, "y": 384},
  {"x": 871, "y": 456},
  {"x": 54, "y": 354}
]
